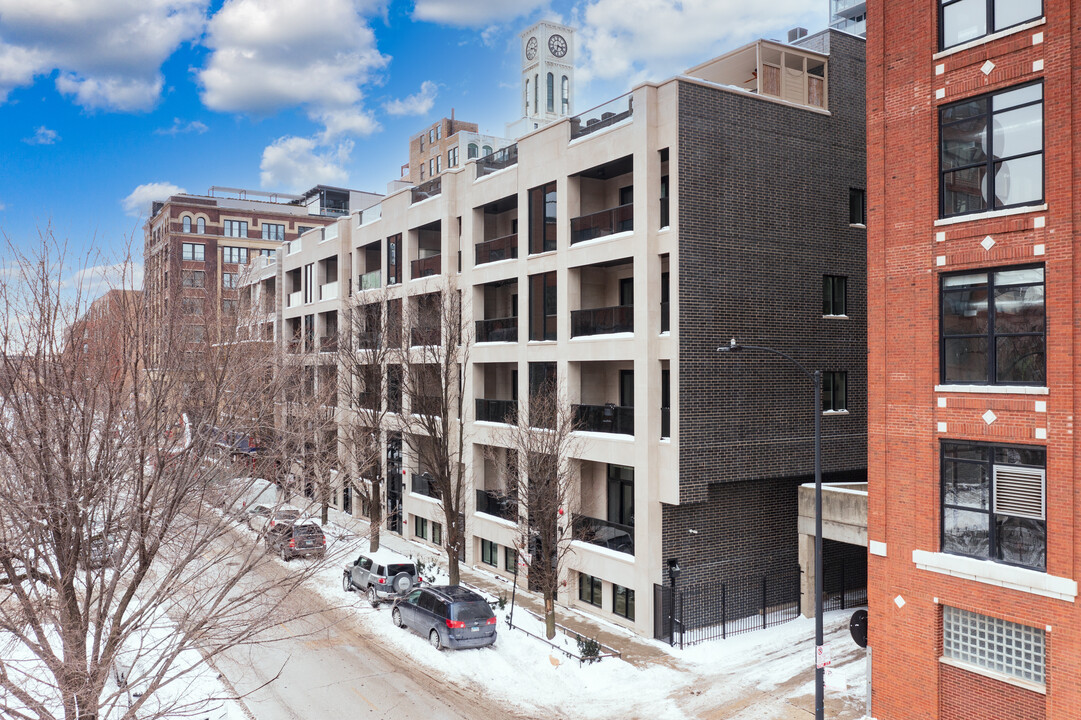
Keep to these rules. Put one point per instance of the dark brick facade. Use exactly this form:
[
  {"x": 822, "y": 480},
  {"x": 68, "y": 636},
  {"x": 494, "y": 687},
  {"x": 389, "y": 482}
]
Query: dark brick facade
[{"x": 763, "y": 215}]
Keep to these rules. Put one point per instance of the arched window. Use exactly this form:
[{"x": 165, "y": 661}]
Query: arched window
[
  {"x": 487, "y": 150},
  {"x": 527, "y": 96},
  {"x": 551, "y": 93},
  {"x": 472, "y": 151},
  {"x": 536, "y": 92},
  {"x": 200, "y": 225},
  {"x": 566, "y": 108},
  {"x": 187, "y": 224}
]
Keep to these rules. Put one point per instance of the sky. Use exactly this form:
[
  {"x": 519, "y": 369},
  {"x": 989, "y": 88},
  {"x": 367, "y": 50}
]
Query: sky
[{"x": 107, "y": 105}]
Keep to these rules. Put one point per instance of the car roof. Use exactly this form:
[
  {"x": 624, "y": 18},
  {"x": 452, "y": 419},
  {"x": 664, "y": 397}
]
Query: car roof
[
  {"x": 456, "y": 593},
  {"x": 387, "y": 557}
]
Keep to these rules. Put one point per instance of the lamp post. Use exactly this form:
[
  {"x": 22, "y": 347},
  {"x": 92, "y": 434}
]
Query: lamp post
[{"x": 816, "y": 378}]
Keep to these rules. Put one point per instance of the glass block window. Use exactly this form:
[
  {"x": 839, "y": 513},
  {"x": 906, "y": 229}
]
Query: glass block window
[{"x": 993, "y": 644}]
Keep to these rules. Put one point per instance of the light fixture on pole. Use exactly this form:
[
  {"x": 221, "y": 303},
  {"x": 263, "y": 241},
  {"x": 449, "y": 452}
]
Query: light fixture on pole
[{"x": 816, "y": 378}]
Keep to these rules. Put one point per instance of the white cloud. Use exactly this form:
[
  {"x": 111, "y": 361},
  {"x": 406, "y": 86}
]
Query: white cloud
[
  {"x": 137, "y": 204},
  {"x": 42, "y": 136},
  {"x": 295, "y": 164},
  {"x": 268, "y": 55},
  {"x": 417, "y": 104},
  {"x": 472, "y": 12},
  {"x": 616, "y": 44},
  {"x": 109, "y": 52},
  {"x": 3, "y": 207},
  {"x": 179, "y": 127}
]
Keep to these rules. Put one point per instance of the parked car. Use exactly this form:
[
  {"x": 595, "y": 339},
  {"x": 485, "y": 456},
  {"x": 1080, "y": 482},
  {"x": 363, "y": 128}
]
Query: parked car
[
  {"x": 101, "y": 551},
  {"x": 449, "y": 615},
  {"x": 297, "y": 540},
  {"x": 266, "y": 517},
  {"x": 381, "y": 577}
]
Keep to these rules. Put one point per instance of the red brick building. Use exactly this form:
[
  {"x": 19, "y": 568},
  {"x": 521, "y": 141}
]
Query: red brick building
[{"x": 974, "y": 185}]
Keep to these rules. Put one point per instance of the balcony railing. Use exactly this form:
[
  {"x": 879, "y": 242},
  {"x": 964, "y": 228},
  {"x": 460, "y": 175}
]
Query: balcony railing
[
  {"x": 369, "y": 281},
  {"x": 602, "y": 321},
  {"x": 500, "y": 411},
  {"x": 368, "y": 400},
  {"x": 666, "y": 317},
  {"x": 502, "y": 158},
  {"x": 421, "y": 336},
  {"x": 603, "y": 223},
  {"x": 496, "y": 504},
  {"x": 427, "y": 405},
  {"x": 427, "y": 190},
  {"x": 425, "y": 266},
  {"x": 295, "y": 299},
  {"x": 328, "y": 343},
  {"x": 497, "y": 330},
  {"x": 604, "y": 533},
  {"x": 329, "y": 291},
  {"x": 602, "y": 116},
  {"x": 367, "y": 340},
  {"x": 498, "y": 249},
  {"x": 605, "y": 418},
  {"x": 424, "y": 484},
  {"x": 295, "y": 346},
  {"x": 371, "y": 214}
]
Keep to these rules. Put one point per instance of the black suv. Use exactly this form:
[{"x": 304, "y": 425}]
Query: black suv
[
  {"x": 292, "y": 541},
  {"x": 450, "y": 616}
]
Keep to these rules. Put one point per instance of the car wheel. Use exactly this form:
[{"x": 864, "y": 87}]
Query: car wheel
[
  {"x": 434, "y": 639},
  {"x": 283, "y": 555},
  {"x": 396, "y": 617},
  {"x": 373, "y": 596},
  {"x": 347, "y": 582}
]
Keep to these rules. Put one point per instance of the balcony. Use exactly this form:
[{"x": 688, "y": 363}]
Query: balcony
[
  {"x": 328, "y": 343},
  {"x": 602, "y": 321},
  {"x": 498, "y": 249},
  {"x": 498, "y": 160},
  {"x": 602, "y": 116},
  {"x": 493, "y": 503},
  {"x": 295, "y": 299},
  {"x": 608, "y": 418},
  {"x": 368, "y": 400},
  {"x": 497, "y": 330},
  {"x": 427, "y": 190},
  {"x": 603, "y": 223},
  {"x": 427, "y": 405},
  {"x": 424, "y": 484},
  {"x": 604, "y": 533},
  {"x": 422, "y": 336},
  {"x": 367, "y": 340},
  {"x": 424, "y": 267},
  {"x": 329, "y": 291},
  {"x": 498, "y": 411},
  {"x": 369, "y": 280},
  {"x": 295, "y": 346}
]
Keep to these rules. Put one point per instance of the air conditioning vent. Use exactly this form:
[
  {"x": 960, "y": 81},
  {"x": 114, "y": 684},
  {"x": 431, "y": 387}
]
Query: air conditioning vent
[{"x": 1019, "y": 492}]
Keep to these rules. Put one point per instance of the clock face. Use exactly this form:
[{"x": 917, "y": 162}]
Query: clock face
[
  {"x": 531, "y": 49},
  {"x": 557, "y": 45}
]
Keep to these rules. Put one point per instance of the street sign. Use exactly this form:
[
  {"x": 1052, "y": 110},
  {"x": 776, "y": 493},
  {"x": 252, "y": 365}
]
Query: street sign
[{"x": 822, "y": 656}]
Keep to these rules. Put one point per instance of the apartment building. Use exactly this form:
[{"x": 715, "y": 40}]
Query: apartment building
[
  {"x": 973, "y": 508},
  {"x": 102, "y": 341},
  {"x": 447, "y": 144},
  {"x": 849, "y": 15},
  {"x": 613, "y": 251}
]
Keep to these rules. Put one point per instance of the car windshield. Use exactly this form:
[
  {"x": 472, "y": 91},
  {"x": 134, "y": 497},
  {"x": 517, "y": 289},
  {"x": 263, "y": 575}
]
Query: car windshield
[
  {"x": 401, "y": 568},
  {"x": 467, "y": 611}
]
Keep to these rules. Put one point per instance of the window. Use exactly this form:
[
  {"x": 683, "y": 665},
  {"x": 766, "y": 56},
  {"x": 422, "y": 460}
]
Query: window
[
  {"x": 621, "y": 495},
  {"x": 510, "y": 559},
  {"x": 486, "y": 150},
  {"x": 420, "y": 527},
  {"x": 998, "y": 645},
  {"x": 527, "y": 96},
  {"x": 452, "y": 157},
  {"x": 309, "y": 282},
  {"x": 551, "y": 101},
  {"x": 623, "y": 601},
  {"x": 960, "y": 21},
  {"x": 193, "y": 251},
  {"x": 437, "y": 533},
  {"x": 536, "y": 92},
  {"x": 230, "y": 280},
  {"x": 992, "y": 151},
  {"x": 565, "y": 107},
  {"x": 394, "y": 259},
  {"x": 834, "y": 391},
  {"x": 266, "y": 252},
  {"x": 471, "y": 151},
  {"x": 994, "y": 502},
  {"x": 857, "y": 206},
  {"x": 196, "y": 333},
  {"x": 431, "y": 136},
  {"x": 235, "y": 228},
  {"x": 431, "y": 167},
  {"x": 191, "y": 306},
  {"x": 542, "y": 218},
  {"x": 834, "y": 295},
  {"x": 421, "y": 139},
  {"x": 589, "y": 589},
  {"x": 229, "y": 307},
  {"x": 542, "y": 306},
  {"x": 301, "y": 229},
  {"x": 187, "y": 224},
  {"x": 272, "y": 231},
  {"x": 439, "y": 163},
  {"x": 234, "y": 255},
  {"x": 193, "y": 278},
  {"x": 489, "y": 553},
  {"x": 200, "y": 225},
  {"x": 993, "y": 327},
  {"x": 439, "y": 132}
]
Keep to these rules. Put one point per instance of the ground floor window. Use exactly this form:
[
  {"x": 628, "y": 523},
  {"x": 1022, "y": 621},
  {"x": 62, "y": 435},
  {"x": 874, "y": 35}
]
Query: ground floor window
[
  {"x": 437, "y": 533},
  {"x": 623, "y": 601},
  {"x": 998, "y": 645},
  {"x": 489, "y": 553},
  {"x": 510, "y": 559},
  {"x": 589, "y": 589},
  {"x": 420, "y": 527}
]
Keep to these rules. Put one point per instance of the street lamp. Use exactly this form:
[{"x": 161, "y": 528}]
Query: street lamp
[{"x": 816, "y": 378}]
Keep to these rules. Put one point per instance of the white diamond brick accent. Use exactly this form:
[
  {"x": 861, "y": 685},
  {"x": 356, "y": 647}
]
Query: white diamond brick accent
[
  {"x": 987, "y": 67},
  {"x": 940, "y": 68},
  {"x": 940, "y": 93},
  {"x": 1041, "y": 433},
  {"x": 1037, "y": 38},
  {"x": 1039, "y": 249},
  {"x": 1041, "y": 406},
  {"x": 942, "y": 402},
  {"x": 899, "y": 601},
  {"x": 1037, "y": 65},
  {"x": 940, "y": 260},
  {"x": 988, "y": 242},
  {"x": 942, "y": 427},
  {"x": 1039, "y": 221},
  {"x": 940, "y": 236},
  {"x": 989, "y": 417}
]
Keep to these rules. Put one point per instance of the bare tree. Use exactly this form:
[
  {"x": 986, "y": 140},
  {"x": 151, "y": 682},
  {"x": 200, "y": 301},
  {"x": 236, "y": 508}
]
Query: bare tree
[
  {"x": 118, "y": 579},
  {"x": 541, "y": 477},
  {"x": 433, "y": 380}
]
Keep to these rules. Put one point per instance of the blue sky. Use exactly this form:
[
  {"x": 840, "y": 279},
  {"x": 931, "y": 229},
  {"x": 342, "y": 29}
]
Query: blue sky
[{"x": 106, "y": 103}]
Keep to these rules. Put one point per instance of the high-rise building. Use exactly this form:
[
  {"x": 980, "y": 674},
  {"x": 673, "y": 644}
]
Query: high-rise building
[
  {"x": 447, "y": 144},
  {"x": 849, "y": 15},
  {"x": 973, "y": 157}
]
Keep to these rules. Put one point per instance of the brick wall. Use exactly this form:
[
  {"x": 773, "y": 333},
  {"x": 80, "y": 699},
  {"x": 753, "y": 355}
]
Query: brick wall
[{"x": 969, "y": 696}]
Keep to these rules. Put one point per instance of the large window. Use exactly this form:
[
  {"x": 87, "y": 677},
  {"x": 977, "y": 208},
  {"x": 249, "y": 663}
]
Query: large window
[
  {"x": 273, "y": 231},
  {"x": 542, "y": 218},
  {"x": 565, "y": 106},
  {"x": 834, "y": 391},
  {"x": 420, "y": 527},
  {"x": 623, "y": 601},
  {"x": 193, "y": 251},
  {"x": 992, "y": 151},
  {"x": 235, "y": 228},
  {"x": 551, "y": 102},
  {"x": 193, "y": 278},
  {"x": 234, "y": 255},
  {"x": 994, "y": 502},
  {"x": 200, "y": 225},
  {"x": 834, "y": 295},
  {"x": 489, "y": 553},
  {"x": 960, "y": 21},
  {"x": 510, "y": 559},
  {"x": 542, "y": 306},
  {"x": 394, "y": 259},
  {"x": 621, "y": 495},
  {"x": 993, "y": 327},
  {"x": 230, "y": 280},
  {"x": 993, "y": 644},
  {"x": 857, "y": 206},
  {"x": 589, "y": 589},
  {"x": 187, "y": 224}
]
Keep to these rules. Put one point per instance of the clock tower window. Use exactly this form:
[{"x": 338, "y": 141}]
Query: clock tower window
[{"x": 551, "y": 92}]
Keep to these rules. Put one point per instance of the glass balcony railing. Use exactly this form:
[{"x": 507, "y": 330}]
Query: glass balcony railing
[
  {"x": 604, "y": 533},
  {"x": 602, "y": 116},
  {"x": 424, "y": 484},
  {"x": 496, "y": 504},
  {"x": 502, "y": 158},
  {"x": 369, "y": 281},
  {"x": 605, "y": 418},
  {"x": 497, "y": 330},
  {"x": 502, "y": 248},
  {"x": 421, "y": 336},
  {"x": 424, "y": 267},
  {"x": 603, "y": 223},
  {"x": 427, "y": 190},
  {"x": 499, "y": 411},
  {"x": 602, "y": 321}
]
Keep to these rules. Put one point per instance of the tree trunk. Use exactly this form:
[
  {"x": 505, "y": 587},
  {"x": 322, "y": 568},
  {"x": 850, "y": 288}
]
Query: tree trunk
[
  {"x": 325, "y": 514},
  {"x": 549, "y": 615},
  {"x": 375, "y": 508}
]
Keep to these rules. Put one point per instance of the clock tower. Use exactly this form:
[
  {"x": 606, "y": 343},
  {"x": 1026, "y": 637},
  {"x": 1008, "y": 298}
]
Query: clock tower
[{"x": 547, "y": 75}]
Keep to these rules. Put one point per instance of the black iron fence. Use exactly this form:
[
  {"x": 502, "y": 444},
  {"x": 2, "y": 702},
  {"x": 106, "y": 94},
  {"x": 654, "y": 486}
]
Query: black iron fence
[
  {"x": 502, "y": 158},
  {"x": 602, "y": 321},
  {"x": 605, "y": 418},
  {"x": 497, "y": 330},
  {"x": 500, "y": 411}
]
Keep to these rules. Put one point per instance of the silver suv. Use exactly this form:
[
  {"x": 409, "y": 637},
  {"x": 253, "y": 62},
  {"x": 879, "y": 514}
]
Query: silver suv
[{"x": 380, "y": 580}]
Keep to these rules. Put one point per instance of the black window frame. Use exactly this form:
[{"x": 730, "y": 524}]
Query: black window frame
[
  {"x": 991, "y": 377},
  {"x": 510, "y": 559},
  {"x": 988, "y": 163},
  {"x": 989, "y": 9},
  {"x": 188, "y": 252},
  {"x": 835, "y": 295},
  {"x": 543, "y": 202},
  {"x": 590, "y": 589},
  {"x": 857, "y": 206},
  {"x": 993, "y": 543},
  {"x": 834, "y": 394},
  {"x": 489, "y": 553},
  {"x": 420, "y": 527},
  {"x": 628, "y": 601}
]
